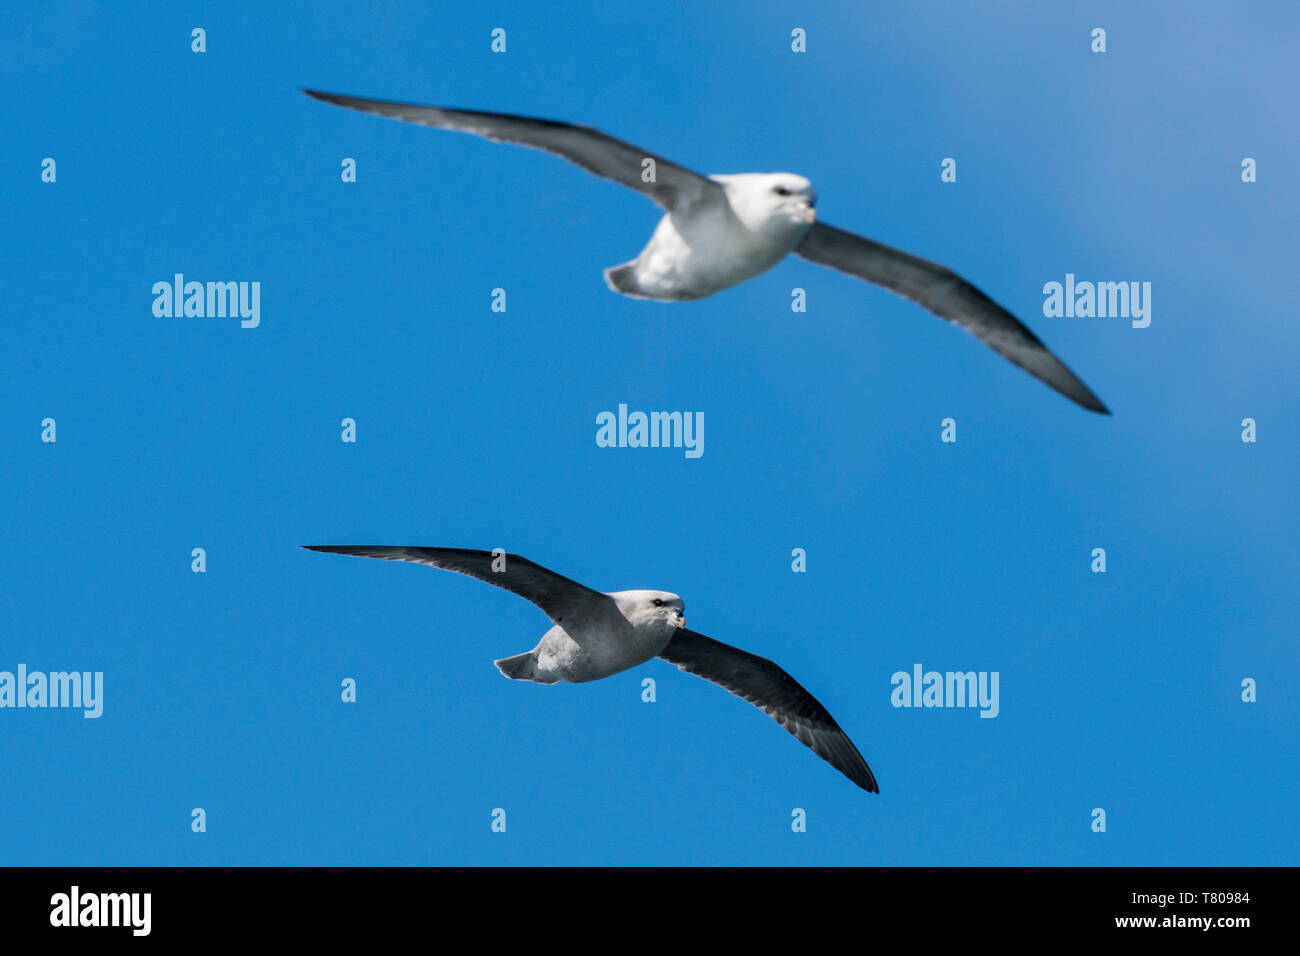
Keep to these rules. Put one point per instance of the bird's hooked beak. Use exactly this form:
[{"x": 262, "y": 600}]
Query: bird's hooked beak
[
  {"x": 809, "y": 210},
  {"x": 680, "y": 619}
]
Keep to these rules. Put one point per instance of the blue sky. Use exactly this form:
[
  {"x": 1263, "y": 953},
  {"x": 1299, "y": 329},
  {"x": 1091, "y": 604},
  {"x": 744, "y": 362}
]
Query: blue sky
[{"x": 477, "y": 429}]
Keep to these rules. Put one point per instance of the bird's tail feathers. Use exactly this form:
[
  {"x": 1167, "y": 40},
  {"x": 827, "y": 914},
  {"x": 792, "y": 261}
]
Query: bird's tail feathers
[
  {"x": 623, "y": 279},
  {"x": 521, "y": 667}
]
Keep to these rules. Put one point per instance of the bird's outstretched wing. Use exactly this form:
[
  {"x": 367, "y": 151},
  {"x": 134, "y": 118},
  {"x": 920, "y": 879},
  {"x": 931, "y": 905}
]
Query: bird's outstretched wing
[
  {"x": 776, "y": 693},
  {"x": 673, "y": 187},
  {"x": 948, "y": 295},
  {"x": 555, "y": 594}
]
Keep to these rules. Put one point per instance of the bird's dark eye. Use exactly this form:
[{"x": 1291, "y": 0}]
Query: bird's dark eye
[
  {"x": 658, "y": 603},
  {"x": 780, "y": 190}
]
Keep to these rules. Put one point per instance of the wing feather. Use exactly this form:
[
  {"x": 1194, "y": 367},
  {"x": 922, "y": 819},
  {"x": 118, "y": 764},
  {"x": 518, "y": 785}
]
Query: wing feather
[
  {"x": 674, "y": 187},
  {"x": 555, "y": 594},
  {"x": 949, "y": 296},
  {"x": 773, "y": 691}
]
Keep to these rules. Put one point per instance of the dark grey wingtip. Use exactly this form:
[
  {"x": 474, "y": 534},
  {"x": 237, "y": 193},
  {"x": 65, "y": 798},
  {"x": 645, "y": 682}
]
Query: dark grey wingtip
[
  {"x": 337, "y": 99},
  {"x": 1063, "y": 380},
  {"x": 1096, "y": 405},
  {"x": 869, "y": 785}
]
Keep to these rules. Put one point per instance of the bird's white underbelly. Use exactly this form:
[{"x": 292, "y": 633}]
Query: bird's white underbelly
[
  {"x": 594, "y": 651},
  {"x": 707, "y": 255}
]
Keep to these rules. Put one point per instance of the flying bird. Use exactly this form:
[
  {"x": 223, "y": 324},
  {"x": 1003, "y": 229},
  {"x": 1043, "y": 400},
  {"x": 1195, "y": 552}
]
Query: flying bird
[
  {"x": 718, "y": 231},
  {"x": 597, "y": 634}
]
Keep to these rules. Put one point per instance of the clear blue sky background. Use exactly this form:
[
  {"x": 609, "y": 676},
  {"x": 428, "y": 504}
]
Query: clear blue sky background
[{"x": 477, "y": 429}]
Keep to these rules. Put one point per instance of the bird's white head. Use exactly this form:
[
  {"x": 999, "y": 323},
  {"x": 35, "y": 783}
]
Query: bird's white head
[
  {"x": 655, "y": 609},
  {"x": 765, "y": 201}
]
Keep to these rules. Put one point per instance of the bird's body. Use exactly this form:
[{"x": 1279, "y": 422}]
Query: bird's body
[
  {"x": 718, "y": 231},
  {"x": 612, "y": 638},
  {"x": 595, "y": 635},
  {"x": 707, "y": 247}
]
